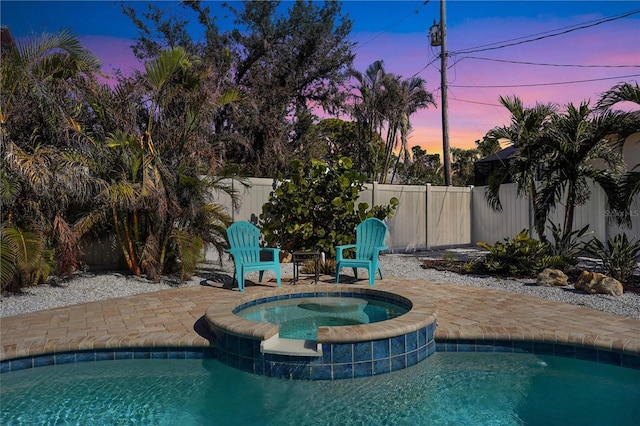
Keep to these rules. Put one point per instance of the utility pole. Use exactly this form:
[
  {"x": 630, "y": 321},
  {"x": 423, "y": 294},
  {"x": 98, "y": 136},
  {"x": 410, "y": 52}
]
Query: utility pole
[
  {"x": 438, "y": 35},
  {"x": 446, "y": 149}
]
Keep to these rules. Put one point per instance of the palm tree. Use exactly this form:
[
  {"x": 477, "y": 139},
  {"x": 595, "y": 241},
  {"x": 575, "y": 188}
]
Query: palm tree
[
  {"x": 487, "y": 146},
  {"x": 630, "y": 181},
  {"x": 406, "y": 97},
  {"x": 369, "y": 110},
  {"x": 42, "y": 151},
  {"x": 162, "y": 162},
  {"x": 463, "y": 160},
  {"x": 386, "y": 100},
  {"x": 524, "y": 132},
  {"x": 575, "y": 139}
]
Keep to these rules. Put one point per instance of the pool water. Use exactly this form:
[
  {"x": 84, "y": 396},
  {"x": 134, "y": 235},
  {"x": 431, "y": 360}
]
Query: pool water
[
  {"x": 448, "y": 389},
  {"x": 300, "y": 318}
]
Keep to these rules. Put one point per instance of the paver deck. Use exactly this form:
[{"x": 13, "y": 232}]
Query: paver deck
[{"x": 175, "y": 318}]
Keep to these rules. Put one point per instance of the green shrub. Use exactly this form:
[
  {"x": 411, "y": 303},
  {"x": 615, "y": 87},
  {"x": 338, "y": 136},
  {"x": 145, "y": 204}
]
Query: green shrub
[
  {"x": 315, "y": 208},
  {"x": 448, "y": 257},
  {"x": 471, "y": 266},
  {"x": 619, "y": 256},
  {"x": 521, "y": 255},
  {"x": 568, "y": 247}
]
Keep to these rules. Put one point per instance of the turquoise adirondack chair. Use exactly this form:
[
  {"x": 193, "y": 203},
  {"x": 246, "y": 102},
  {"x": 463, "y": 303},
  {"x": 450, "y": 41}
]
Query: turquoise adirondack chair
[
  {"x": 244, "y": 243},
  {"x": 369, "y": 243}
]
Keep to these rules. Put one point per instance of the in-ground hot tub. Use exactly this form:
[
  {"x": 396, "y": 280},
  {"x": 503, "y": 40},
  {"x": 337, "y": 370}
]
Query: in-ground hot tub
[
  {"x": 352, "y": 348},
  {"x": 299, "y": 317}
]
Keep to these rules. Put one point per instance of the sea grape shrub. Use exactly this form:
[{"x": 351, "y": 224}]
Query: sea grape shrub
[
  {"x": 316, "y": 207},
  {"x": 521, "y": 255}
]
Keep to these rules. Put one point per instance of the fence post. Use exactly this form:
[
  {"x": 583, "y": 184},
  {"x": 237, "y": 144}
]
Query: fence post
[
  {"x": 233, "y": 208},
  {"x": 471, "y": 230},
  {"x": 374, "y": 189},
  {"x": 426, "y": 214},
  {"x": 532, "y": 228}
]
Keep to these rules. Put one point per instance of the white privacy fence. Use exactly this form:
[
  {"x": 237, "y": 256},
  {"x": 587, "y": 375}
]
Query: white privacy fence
[
  {"x": 490, "y": 226},
  {"x": 439, "y": 216}
]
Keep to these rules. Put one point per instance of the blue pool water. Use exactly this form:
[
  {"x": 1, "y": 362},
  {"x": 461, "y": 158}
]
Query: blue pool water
[
  {"x": 447, "y": 389},
  {"x": 300, "y": 318}
]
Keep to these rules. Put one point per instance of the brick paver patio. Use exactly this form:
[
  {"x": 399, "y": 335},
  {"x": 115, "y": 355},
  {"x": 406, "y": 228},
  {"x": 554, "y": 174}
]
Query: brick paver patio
[{"x": 175, "y": 318}]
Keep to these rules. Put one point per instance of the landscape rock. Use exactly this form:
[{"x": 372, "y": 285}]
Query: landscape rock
[
  {"x": 550, "y": 277},
  {"x": 595, "y": 282},
  {"x": 285, "y": 257}
]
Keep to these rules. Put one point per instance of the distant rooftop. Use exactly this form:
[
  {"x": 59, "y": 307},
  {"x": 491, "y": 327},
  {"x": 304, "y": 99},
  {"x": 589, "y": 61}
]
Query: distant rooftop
[{"x": 503, "y": 154}]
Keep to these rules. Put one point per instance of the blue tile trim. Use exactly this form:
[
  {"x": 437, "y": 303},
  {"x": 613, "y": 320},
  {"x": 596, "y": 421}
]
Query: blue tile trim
[
  {"x": 540, "y": 348},
  {"x": 44, "y": 361},
  {"x": 338, "y": 360},
  {"x": 362, "y": 352},
  {"x": 105, "y": 355}
]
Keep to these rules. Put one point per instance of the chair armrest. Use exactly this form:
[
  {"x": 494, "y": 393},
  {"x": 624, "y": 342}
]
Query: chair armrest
[
  {"x": 339, "y": 250},
  {"x": 378, "y": 249},
  {"x": 345, "y": 246},
  {"x": 274, "y": 251}
]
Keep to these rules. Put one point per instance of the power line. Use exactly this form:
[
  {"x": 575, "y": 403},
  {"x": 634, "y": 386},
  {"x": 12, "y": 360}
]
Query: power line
[
  {"x": 425, "y": 67},
  {"x": 622, "y": 77},
  {"x": 476, "y": 102},
  {"x": 567, "y": 29},
  {"x": 512, "y": 42},
  {"x": 549, "y": 65},
  {"x": 391, "y": 27}
]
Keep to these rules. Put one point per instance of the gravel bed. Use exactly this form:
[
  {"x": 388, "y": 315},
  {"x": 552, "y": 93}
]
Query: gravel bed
[
  {"x": 408, "y": 266},
  {"x": 88, "y": 287}
]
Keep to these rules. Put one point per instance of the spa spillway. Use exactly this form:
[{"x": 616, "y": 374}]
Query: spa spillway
[{"x": 322, "y": 332}]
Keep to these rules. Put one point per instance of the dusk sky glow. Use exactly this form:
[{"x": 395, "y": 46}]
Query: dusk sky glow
[{"x": 587, "y": 60}]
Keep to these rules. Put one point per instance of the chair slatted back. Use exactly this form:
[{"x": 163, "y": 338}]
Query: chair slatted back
[
  {"x": 369, "y": 234},
  {"x": 245, "y": 236}
]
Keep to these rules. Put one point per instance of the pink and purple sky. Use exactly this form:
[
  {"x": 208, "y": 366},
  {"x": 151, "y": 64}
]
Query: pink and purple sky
[{"x": 588, "y": 46}]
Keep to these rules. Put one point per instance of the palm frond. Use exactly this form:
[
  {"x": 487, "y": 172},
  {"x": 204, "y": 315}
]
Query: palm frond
[
  {"x": 9, "y": 248},
  {"x": 150, "y": 259},
  {"x": 159, "y": 71},
  {"x": 24, "y": 256},
  {"x": 123, "y": 195},
  {"x": 631, "y": 185},
  {"x": 67, "y": 247},
  {"x": 190, "y": 250},
  {"x": 33, "y": 168},
  {"x": 619, "y": 93},
  {"x": 492, "y": 192},
  {"x": 9, "y": 187}
]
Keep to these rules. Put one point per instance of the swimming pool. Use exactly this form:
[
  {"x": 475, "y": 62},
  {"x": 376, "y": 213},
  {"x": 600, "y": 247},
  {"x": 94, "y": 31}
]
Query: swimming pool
[{"x": 451, "y": 388}]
